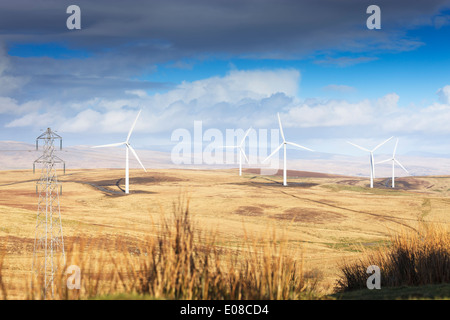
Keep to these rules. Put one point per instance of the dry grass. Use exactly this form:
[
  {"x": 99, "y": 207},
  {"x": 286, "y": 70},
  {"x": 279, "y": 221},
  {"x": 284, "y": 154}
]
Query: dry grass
[
  {"x": 3, "y": 290},
  {"x": 326, "y": 223},
  {"x": 181, "y": 262},
  {"x": 412, "y": 259}
]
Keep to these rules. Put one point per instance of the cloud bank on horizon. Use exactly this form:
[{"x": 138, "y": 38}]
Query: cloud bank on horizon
[{"x": 230, "y": 64}]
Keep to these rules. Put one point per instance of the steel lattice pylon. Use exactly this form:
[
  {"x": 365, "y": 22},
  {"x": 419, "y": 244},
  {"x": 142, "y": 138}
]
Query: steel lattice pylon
[{"x": 48, "y": 253}]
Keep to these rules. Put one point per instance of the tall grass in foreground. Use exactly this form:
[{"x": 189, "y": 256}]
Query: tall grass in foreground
[
  {"x": 180, "y": 261},
  {"x": 411, "y": 259},
  {"x": 186, "y": 264},
  {"x": 2, "y": 258}
]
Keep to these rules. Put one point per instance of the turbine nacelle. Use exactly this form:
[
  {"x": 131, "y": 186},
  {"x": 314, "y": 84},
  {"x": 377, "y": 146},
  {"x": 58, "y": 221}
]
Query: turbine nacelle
[
  {"x": 240, "y": 146},
  {"x": 394, "y": 161},
  {"x": 372, "y": 165}
]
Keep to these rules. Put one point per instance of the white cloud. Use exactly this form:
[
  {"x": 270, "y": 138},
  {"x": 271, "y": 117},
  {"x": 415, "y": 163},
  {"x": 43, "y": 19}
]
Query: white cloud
[
  {"x": 8, "y": 83},
  {"x": 35, "y": 119},
  {"x": 234, "y": 87},
  {"x": 139, "y": 93},
  {"x": 83, "y": 121},
  {"x": 433, "y": 119},
  {"x": 444, "y": 94},
  {"x": 237, "y": 100},
  {"x": 213, "y": 100},
  {"x": 11, "y": 106},
  {"x": 329, "y": 113},
  {"x": 8, "y": 105},
  {"x": 388, "y": 103}
]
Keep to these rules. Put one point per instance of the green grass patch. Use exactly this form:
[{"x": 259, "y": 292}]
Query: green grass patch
[
  {"x": 125, "y": 296},
  {"x": 427, "y": 292}
]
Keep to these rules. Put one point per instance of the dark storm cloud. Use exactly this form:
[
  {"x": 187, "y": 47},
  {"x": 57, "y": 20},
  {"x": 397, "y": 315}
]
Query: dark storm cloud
[
  {"x": 72, "y": 89},
  {"x": 125, "y": 40},
  {"x": 106, "y": 76},
  {"x": 283, "y": 29}
]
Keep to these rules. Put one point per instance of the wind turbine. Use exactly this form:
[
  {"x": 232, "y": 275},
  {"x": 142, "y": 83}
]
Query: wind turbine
[
  {"x": 394, "y": 161},
  {"x": 283, "y": 144},
  {"x": 241, "y": 150},
  {"x": 128, "y": 147},
  {"x": 372, "y": 165}
]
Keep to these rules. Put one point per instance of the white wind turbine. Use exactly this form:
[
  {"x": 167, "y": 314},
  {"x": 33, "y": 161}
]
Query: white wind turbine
[
  {"x": 283, "y": 144},
  {"x": 372, "y": 165},
  {"x": 394, "y": 161},
  {"x": 241, "y": 151},
  {"x": 128, "y": 147}
]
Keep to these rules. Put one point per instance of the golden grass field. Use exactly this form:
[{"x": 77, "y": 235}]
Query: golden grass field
[{"x": 327, "y": 219}]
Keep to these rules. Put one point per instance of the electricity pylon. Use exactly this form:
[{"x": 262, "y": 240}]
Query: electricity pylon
[{"x": 48, "y": 253}]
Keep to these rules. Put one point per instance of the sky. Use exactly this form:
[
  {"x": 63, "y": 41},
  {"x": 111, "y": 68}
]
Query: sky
[{"x": 230, "y": 64}]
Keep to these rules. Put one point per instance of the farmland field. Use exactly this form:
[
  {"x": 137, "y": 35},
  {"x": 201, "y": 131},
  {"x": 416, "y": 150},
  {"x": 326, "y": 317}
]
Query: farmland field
[{"x": 325, "y": 218}]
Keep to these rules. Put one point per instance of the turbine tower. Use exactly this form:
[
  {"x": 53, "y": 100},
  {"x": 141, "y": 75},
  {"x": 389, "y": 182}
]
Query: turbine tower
[
  {"x": 241, "y": 151},
  {"x": 283, "y": 144},
  {"x": 372, "y": 165},
  {"x": 48, "y": 251},
  {"x": 394, "y": 161},
  {"x": 128, "y": 148}
]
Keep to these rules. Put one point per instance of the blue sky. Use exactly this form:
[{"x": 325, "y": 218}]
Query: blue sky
[{"x": 231, "y": 65}]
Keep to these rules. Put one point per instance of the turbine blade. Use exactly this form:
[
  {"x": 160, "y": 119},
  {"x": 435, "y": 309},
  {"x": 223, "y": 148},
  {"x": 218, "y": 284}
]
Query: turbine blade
[
  {"x": 136, "y": 156},
  {"x": 132, "y": 127},
  {"x": 275, "y": 151},
  {"x": 355, "y": 145},
  {"x": 246, "y": 134},
  {"x": 281, "y": 127},
  {"x": 395, "y": 149},
  {"x": 110, "y": 145},
  {"x": 398, "y": 162},
  {"x": 299, "y": 146},
  {"x": 381, "y": 144},
  {"x": 243, "y": 153},
  {"x": 383, "y": 161}
]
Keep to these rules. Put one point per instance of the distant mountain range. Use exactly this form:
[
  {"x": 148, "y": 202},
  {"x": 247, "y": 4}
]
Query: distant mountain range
[
  {"x": 19, "y": 155},
  {"x": 427, "y": 154}
]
